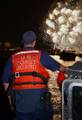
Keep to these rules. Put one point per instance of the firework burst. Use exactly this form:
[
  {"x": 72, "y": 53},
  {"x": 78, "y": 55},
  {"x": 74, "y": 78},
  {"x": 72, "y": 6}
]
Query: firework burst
[{"x": 64, "y": 26}]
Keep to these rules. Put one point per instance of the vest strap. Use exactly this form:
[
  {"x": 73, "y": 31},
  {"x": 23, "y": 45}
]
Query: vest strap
[
  {"x": 34, "y": 83},
  {"x": 34, "y": 73}
]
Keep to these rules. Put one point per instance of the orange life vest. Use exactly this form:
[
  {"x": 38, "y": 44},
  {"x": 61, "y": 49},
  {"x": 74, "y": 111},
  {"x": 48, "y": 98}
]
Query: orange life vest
[{"x": 29, "y": 72}]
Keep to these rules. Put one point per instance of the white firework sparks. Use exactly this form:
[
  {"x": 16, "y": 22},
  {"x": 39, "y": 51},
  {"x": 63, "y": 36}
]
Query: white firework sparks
[{"x": 64, "y": 26}]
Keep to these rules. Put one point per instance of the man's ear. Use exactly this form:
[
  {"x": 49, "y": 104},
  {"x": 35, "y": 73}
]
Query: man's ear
[{"x": 34, "y": 43}]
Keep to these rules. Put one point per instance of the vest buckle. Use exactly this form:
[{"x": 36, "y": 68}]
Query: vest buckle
[{"x": 17, "y": 74}]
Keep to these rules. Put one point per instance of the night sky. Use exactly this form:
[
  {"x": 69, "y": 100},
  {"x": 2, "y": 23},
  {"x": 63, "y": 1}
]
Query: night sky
[{"x": 17, "y": 16}]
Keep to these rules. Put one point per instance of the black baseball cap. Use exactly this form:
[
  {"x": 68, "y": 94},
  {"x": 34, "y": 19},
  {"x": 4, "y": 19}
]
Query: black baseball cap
[{"x": 28, "y": 37}]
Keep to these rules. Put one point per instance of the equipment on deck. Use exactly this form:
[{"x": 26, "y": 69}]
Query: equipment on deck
[{"x": 72, "y": 99}]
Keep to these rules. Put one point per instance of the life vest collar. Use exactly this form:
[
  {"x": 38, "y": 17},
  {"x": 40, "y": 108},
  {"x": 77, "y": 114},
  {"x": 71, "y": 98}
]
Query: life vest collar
[{"x": 29, "y": 51}]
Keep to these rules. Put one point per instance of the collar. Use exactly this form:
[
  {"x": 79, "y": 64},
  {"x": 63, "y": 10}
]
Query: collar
[{"x": 28, "y": 48}]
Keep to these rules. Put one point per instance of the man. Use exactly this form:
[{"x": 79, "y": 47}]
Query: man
[{"x": 30, "y": 79}]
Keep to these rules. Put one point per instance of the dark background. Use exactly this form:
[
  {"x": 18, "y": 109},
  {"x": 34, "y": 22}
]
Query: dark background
[{"x": 17, "y": 16}]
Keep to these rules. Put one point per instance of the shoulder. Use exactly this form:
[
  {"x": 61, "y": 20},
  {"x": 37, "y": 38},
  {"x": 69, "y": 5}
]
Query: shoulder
[
  {"x": 44, "y": 54},
  {"x": 47, "y": 57},
  {"x": 49, "y": 62}
]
